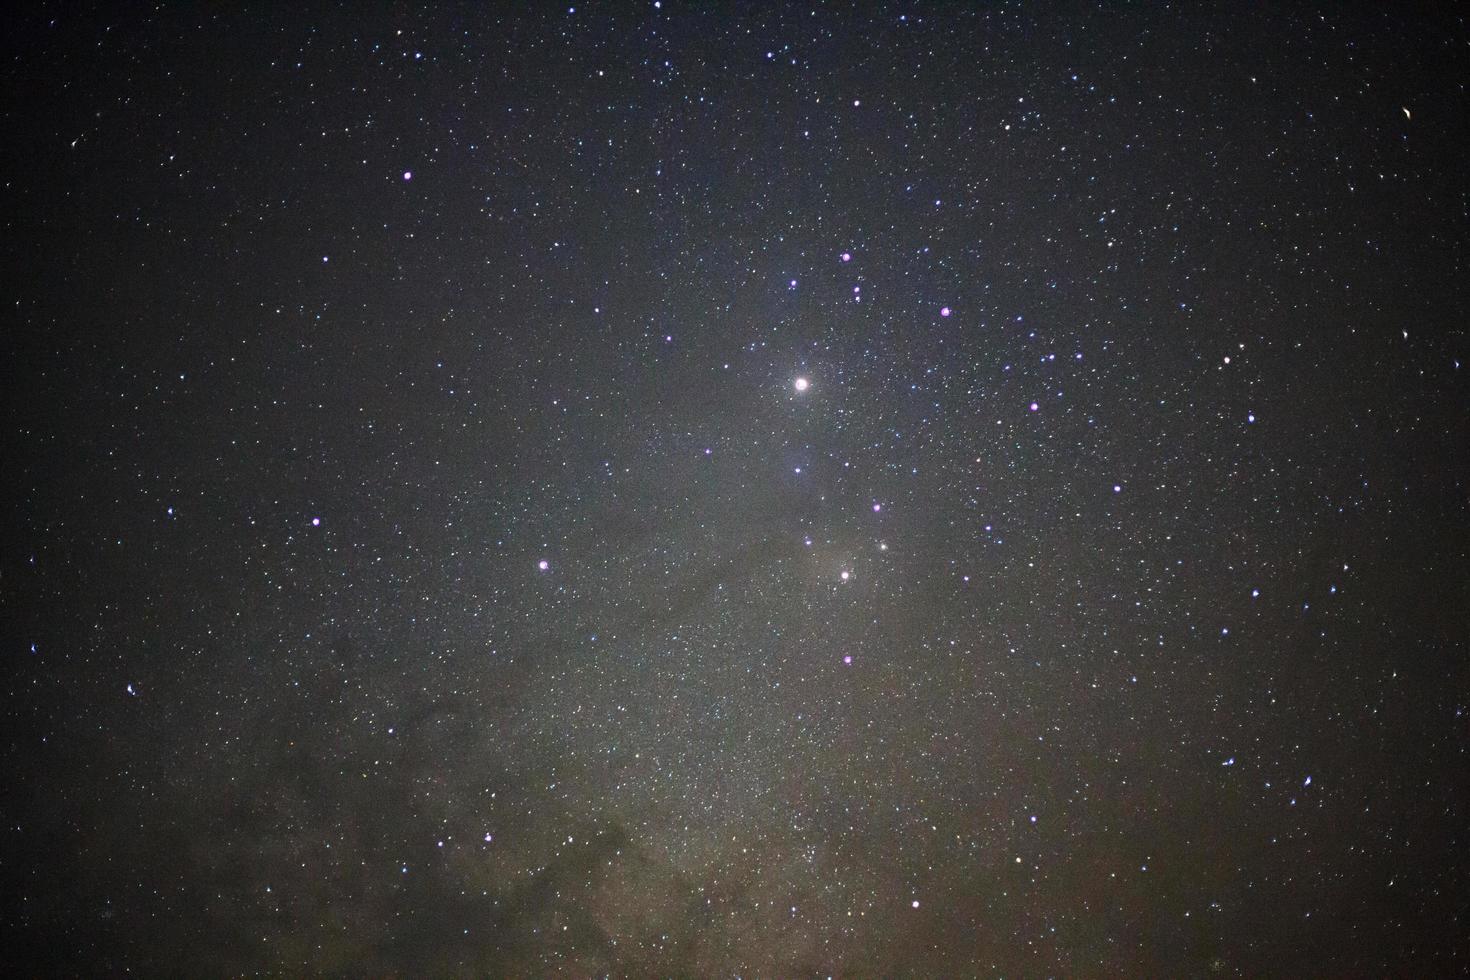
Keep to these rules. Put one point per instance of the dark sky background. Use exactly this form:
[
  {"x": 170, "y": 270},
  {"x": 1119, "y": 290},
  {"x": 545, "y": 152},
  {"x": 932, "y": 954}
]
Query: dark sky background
[{"x": 1000, "y": 474}]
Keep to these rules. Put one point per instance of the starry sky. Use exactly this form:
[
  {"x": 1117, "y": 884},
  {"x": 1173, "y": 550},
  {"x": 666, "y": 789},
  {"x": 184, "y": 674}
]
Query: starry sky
[{"x": 707, "y": 490}]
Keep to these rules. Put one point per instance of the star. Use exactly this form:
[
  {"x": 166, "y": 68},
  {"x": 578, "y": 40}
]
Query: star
[{"x": 801, "y": 384}]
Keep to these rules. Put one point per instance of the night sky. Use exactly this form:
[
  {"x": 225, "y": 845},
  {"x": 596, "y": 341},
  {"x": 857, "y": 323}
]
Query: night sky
[{"x": 671, "y": 489}]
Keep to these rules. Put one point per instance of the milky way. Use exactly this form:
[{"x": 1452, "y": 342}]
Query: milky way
[{"x": 684, "y": 490}]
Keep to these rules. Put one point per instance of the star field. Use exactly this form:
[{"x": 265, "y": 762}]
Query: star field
[{"x": 693, "y": 490}]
